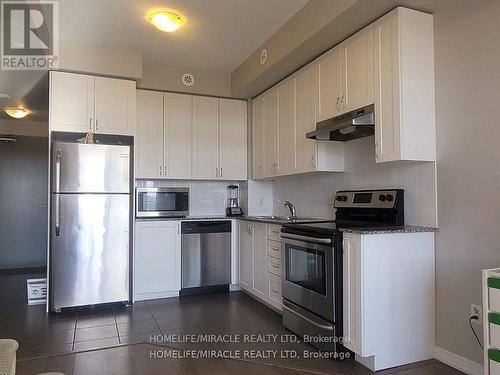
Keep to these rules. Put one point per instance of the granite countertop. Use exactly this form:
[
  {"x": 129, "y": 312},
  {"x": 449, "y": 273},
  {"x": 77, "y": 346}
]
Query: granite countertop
[
  {"x": 184, "y": 218},
  {"x": 261, "y": 219},
  {"x": 283, "y": 220},
  {"x": 390, "y": 229}
]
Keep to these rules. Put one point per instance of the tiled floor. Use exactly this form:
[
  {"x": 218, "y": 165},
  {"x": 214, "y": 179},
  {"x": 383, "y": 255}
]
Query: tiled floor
[{"x": 74, "y": 342}]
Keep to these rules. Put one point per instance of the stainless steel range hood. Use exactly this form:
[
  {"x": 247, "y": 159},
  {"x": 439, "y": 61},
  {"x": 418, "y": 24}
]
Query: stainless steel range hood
[{"x": 352, "y": 125}]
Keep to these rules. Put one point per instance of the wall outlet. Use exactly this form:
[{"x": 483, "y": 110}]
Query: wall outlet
[{"x": 476, "y": 310}]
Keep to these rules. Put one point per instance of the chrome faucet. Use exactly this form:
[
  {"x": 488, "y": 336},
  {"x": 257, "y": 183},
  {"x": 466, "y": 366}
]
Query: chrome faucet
[{"x": 291, "y": 207}]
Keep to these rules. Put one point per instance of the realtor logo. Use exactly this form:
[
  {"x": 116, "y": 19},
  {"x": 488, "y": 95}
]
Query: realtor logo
[{"x": 29, "y": 35}]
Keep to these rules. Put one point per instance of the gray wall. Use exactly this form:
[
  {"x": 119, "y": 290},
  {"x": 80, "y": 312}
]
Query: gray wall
[
  {"x": 467, "y": 57},
  {"x": 23, "y": 202}
]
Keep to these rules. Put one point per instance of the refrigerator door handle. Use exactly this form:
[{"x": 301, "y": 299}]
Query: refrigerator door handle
[
  {"x": 57, "y": 214},
  {"x": 57, "y": 196},
  {"x": 58, "y": 172}
]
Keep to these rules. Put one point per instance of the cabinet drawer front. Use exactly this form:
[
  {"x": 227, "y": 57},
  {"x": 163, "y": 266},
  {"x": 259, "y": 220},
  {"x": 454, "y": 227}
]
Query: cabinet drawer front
[
  {"x": 274, "y": 249},
  {"x": 274, "y": 232},
  {"x": 274, "y": 266}
]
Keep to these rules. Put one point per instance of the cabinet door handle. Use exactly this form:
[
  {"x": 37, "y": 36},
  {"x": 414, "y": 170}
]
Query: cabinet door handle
[
  {"x": 165, "y": 169},
  {"x": 96, "y": 124},
  {"x": 337, "y": 105},
  {"x": 161, "y": 170},
  {"x": 221, "y": 172},
  {"x": 90, "y": 123},
  {"x": 216, "y": 172}
]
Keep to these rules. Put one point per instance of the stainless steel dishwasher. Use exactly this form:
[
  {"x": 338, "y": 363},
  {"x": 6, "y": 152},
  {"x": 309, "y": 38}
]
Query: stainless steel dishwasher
[{"x": 206, "y": 256}]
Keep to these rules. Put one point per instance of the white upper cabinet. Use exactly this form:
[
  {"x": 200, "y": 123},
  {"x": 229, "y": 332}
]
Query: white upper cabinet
[
  {"x": 271, "y": 133},
  {"x": 389, "y": 63},
  {"x": 286, "y": 127},
  {"x": 233, "y": 139},
  {"x": 149, "y": 135},
  {"x": 177, "y": 117},
  {"x": 286, "y": 113},
  {"x": 312, "y": 155},
  {"x": 114, "y": 106},
  {"x": 346, "y": 76},
  {"x": 183, "y": 136},
  {"x": 357, "y": 71},
  {"x": 330, "y": 84},
  {"x": 258, "y": 138},
  {"x": 205, "y": 138},
  {"x": 82, "y": 103},
  {"x": 306, "y": 86},
  {"x": 404, "y": 87},
  {"x": 71, "y": 102}
]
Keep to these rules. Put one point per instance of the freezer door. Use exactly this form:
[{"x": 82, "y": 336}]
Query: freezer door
[
  {"x": 90, "y": 168},
  {"x": 89, "y": 249}
]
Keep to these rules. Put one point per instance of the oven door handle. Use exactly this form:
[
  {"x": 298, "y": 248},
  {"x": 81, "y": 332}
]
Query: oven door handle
[
  {"x": 321, "y": 241},
  {"x": 322, "y": 326}
]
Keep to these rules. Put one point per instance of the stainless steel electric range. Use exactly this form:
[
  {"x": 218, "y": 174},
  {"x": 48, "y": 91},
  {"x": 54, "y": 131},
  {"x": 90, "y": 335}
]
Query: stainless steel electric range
[{"x": 312, "y": 253}]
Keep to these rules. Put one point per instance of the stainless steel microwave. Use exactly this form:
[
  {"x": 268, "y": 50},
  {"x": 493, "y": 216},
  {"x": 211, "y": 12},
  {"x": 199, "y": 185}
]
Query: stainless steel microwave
[{"x": 161, "y": 202}]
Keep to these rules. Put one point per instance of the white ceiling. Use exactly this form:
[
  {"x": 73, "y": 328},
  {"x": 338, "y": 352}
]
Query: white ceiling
[{"x": 218, "y": 35}]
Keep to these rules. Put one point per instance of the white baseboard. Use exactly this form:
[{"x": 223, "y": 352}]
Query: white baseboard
[{"x": 458, "y": 362}]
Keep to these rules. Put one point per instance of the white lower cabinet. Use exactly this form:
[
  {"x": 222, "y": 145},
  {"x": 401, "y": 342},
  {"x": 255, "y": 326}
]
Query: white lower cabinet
[
  {"x": 157, "y": 259},
  {"x": 388, "y": 300},
  {"x": 260, "y": 261},
  {"x": 245, "y": 259}
]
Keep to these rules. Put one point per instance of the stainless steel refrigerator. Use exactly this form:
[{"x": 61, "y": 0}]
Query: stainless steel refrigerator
[{"x": 90, "y": 224}]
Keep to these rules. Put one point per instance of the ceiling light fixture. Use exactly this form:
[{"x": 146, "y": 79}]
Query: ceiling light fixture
[
  {"x": 16, "y": 112},
  {"x": 166, "y": 21},
  {"x": 4, "y": 96}
]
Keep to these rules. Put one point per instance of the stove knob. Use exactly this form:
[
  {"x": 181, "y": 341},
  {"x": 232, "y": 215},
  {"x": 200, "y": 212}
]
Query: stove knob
[
  {"x": 344, "y": 198},
  {"x": 381, "y": 197},
  {"x": 339, "y": 198},
  {"x": 389, "y": 197}
]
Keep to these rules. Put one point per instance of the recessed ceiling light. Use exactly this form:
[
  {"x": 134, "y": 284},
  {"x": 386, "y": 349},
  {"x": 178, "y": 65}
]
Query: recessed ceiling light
[
  {"x": 4, "y": 96},
  {"x": 16, "y": 112},
  {"x": 166, "y": 21}
]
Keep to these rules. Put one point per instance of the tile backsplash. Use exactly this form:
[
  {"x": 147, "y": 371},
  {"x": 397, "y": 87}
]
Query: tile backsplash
[
  {"x": 313, "y": 194},
  {"x": 205, "y": 197}
]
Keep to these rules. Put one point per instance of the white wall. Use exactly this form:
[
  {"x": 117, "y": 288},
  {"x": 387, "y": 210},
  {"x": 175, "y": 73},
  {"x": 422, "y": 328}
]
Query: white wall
[
  {"x": 23, "y": 127},
  {"x": 99, "y": 59},
  {"x": 467, "y": 61},
  {"x": 206, "y": 198},
  {"x": 313, "y": 194},
  {"x": 169, "y": 78}
]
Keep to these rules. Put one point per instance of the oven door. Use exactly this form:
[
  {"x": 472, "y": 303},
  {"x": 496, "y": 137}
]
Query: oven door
[
  {"x": 162, "y": 202},
  {"x": 309, "y": 273}
]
